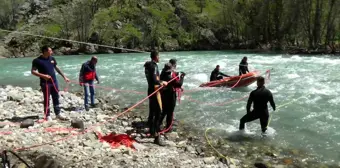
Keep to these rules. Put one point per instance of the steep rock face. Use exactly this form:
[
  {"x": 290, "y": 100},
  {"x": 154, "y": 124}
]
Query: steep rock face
[
  {"x": 142, "y": 25},
  {"x": 4, "y": 52}
]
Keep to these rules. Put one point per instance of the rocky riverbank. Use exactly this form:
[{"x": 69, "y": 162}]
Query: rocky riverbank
[
  {"x": 85, "y": 150},
  {"x": 78, "y": 143}
]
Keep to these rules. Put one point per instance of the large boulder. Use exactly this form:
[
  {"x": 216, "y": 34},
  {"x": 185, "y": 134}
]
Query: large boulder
[
  {"x": 170, "y": 45},
  {"x": 207, "y": 34}
]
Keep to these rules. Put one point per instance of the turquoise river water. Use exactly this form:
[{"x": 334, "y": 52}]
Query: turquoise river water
[{"x": 310, "y": 123}]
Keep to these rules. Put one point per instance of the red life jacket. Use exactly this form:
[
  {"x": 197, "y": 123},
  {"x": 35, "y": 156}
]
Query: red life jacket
[
  {"x": 90, "y": 75},
  {"x": 177, "y": 90}
]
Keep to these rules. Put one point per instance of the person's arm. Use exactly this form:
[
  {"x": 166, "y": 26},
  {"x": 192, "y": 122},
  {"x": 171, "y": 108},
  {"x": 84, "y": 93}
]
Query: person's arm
[
  {"x": 179, "y": 83},
  {"x": 220, "y": 73},
  {"x": 240, "y": 70},
  {"x": 96, "y": 75},
  {"x": 81, "y": 75},
  {"x": 59, "y": 71},
  {"x": 247, "y": 68},
  {"x": 271, "y": 101},
  {"x": 154, "y": 76},
  {"x": 250, "y": 101},
  {"x": 36, "y": 73}
]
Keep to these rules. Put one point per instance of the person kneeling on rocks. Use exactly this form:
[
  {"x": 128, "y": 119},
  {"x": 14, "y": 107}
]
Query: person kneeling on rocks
[
  {"x": 169, "y": 92},
  {"x": 43, "y": 67},
  {"x": 87, "y": 76}
]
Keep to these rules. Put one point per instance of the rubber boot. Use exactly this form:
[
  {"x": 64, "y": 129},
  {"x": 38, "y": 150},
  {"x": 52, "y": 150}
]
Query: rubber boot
[{"x": 158, "y": 141}]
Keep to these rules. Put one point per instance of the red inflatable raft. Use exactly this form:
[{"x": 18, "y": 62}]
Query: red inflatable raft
[{"x": 246, "y": 80}]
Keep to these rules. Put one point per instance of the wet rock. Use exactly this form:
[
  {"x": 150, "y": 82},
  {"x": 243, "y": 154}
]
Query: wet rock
[
  {"x": 27, "y": 123},
  {"x": 77, "y": 124}
]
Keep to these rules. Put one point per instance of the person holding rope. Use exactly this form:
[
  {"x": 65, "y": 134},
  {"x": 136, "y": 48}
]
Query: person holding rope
[
  {"x": 260, "y": 97},
  {"x": 243, "y": 67},
  {"x": 169, "y": 93},
  {"x": 87, "y": 75},
  {"x": 43, "y": 67},
  {"x": 216, "y": 74},
  {"x": 155, "y": 102}
]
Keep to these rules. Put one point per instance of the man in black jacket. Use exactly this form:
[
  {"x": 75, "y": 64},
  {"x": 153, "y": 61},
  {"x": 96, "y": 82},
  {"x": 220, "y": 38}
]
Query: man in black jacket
[
  {"x": 169, "y": 93},
  {"x": 260, "y": 97},
  {"x": 155, "y": 102},
  {"x": 216, "y": 74}
]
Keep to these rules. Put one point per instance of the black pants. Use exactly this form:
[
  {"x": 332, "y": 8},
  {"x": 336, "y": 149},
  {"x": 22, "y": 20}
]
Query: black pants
[
  {"x": 263, "y": 116},
  {"x": 169, "y": 104},
  {"x": 154, "y": 113},
  {"x": 47, "y": 92}
]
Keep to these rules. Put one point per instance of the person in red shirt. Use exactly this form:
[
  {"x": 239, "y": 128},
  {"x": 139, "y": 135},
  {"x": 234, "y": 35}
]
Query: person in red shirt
[{"x": 87, "y": 76}]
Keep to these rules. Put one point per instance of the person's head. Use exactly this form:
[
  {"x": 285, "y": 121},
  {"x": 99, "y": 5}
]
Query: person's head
[
  {"x": 46, "y": 51},
  {"x": 244, "y": 59},
  {"x": 260, "y": 81},
  {"x": 94, "y": 60},
  {"x": 218, "y": 67},
  {"x": 154, "y": 56},
  {"x": 173, "y": 62},
  {"x": 168, "y": 66}
]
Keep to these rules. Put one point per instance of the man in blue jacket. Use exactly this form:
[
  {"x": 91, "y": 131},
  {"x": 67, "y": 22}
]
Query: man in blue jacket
[{"x": 87, "y": 76}]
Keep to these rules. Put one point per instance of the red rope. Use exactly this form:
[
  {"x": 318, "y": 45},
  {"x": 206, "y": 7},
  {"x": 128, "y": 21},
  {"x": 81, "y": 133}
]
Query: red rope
[{"x": 47, "y": 103}]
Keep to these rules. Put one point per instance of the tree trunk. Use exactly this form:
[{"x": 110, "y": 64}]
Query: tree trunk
[
  {"x": 330, "y": 24},
  {"x": 317, "y": 23}
]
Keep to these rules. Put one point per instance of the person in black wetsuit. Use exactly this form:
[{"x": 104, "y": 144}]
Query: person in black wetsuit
[
  {"x": 155, "y": 102},
  {"x": 243, "y": 67},
  {"x": 169, "y": 92},
  {"x": 260, "y": 98},
  {"x": 216, "y": 74}
]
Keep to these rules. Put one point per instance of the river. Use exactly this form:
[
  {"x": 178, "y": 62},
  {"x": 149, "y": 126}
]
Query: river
[{"x": 310, "y": 123}]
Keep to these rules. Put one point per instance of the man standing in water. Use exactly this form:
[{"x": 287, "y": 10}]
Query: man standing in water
[
  {"x": 43, "y": 67},
  {"x": 243, "y": 67},
  {"x": 260, "y": 97},
  {"x": 155, "y": 102},
  {"x": 87, "y": 76}
]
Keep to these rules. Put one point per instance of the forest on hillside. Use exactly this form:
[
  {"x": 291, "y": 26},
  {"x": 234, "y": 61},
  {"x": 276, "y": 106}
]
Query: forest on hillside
[{"x": 297, "y": 26}]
